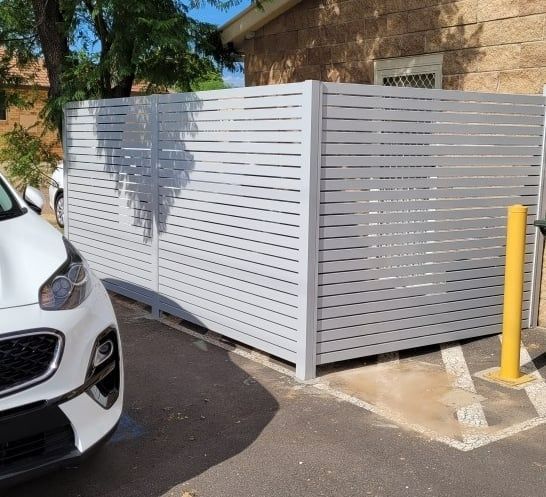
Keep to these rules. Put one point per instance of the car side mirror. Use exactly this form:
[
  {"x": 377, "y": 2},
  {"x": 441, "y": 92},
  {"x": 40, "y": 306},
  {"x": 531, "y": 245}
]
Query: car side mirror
[{"x": 34, "y": 198}]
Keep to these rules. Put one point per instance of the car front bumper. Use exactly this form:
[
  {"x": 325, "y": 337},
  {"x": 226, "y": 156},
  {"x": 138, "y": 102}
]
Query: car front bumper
[{"x": 64, "y": 407}]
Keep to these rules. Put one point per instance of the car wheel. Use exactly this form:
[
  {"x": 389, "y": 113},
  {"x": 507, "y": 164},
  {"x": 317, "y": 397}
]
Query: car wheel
[{"x": 59, "y": 210}]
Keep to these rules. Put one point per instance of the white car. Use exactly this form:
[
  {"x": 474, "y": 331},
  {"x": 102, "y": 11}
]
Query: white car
[
  {"x": 56, "y": 194},
  {"x": 61, "y": 371}
]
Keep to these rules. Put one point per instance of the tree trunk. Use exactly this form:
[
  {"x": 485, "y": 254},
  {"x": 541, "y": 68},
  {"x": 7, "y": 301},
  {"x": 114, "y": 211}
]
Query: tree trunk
[
  {"x": 123, "y": 88},
  {"x": 53, "y": 36}
]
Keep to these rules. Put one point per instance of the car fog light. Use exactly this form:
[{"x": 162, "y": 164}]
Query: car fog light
[{"x": 103, "y": 353}]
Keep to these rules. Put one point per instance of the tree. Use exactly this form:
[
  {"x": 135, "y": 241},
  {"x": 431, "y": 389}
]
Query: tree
[
  {"x": 27, "y": 158},
  {"x": 210, "y": 81},
  {"x": 100, "y": 48}
]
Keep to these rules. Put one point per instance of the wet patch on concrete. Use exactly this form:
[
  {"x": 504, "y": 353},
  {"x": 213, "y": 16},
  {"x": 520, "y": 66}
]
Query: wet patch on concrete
[
  {"x": 437, "y": 393},
  {"x": 421, "y": 393}
]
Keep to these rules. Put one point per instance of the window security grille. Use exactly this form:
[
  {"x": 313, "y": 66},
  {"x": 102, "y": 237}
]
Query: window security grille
[{"x": 425, "y": 80}]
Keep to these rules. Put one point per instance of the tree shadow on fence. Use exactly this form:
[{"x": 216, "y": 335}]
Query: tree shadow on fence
[{"x": 124, "y": 137}]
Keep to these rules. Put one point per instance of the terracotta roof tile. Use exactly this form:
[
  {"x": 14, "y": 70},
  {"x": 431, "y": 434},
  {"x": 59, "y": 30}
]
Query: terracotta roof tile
[{"x": 35, "y": 74}]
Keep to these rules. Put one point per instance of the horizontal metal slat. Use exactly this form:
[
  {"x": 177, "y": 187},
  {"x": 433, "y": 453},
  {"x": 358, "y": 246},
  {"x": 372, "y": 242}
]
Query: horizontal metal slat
[
  {"x": 410, "y": 237},
  {"x": 265, "y": 137},
  {"x": 426, "y": 194},
  {"x": 421, "y": 93},
  {"x": 271, "y": 124},
  {"x": 427, "y": 160},
  {"x": 416, "y": 216},
  {"x": 425, "y": 182},
  {"x": 104, "y": 152},
  {"x": 170, "y": 167},
  {"x": 454, "y": 225},
  {"x": 418, "y": 116},
  {"x": 294, "y": 113},
  {"x": 436, "y": 104},
  {"x": 229, "y": 93},
  {"x": 408, "y": 206},
  {"x": 453, "y": 173},
  {"x": 431, "y": 150},
  {"x": 418, "y": 138},
  {"x": 187, "y": 177},
  {"x": 236, "y": 147},
  {"x": 229, "y": 104},
  {"x": 353, "y": 125},
  {"x": 232, "y": 157}
]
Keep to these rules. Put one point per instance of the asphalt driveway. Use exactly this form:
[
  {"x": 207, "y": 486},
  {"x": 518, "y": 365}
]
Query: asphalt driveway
[{"x": 204, "y": 422}]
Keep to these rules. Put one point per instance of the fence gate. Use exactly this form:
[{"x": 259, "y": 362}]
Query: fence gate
[{"x": 314, "y": 221}]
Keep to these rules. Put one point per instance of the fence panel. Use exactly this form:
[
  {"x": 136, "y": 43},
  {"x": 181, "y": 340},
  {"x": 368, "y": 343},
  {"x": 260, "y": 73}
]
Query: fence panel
[
  {"x": 230, "y": 174},
  {"x": 414, "y": 190}
]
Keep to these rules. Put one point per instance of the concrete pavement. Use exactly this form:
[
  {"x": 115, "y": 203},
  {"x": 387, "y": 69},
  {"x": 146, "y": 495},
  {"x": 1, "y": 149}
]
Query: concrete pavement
[{"x": 206, "y": 422}]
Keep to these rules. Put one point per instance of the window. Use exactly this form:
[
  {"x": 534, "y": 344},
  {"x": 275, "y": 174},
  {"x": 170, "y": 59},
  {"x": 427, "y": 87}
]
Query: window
[{"x": 423, "y": 71}]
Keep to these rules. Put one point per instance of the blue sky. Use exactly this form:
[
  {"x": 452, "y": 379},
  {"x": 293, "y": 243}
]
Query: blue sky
[{"x": 215, "y": 16}]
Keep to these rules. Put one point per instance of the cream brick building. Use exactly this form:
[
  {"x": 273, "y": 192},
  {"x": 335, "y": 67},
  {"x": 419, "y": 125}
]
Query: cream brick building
[
  {"x": 35, "y": 91},
  {"x": 486, "y": 45}
]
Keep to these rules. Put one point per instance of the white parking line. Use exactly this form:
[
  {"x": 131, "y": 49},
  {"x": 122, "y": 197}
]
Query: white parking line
[
  {"x": 536, "y": 391},
  {"x": 472, "y": 416}
]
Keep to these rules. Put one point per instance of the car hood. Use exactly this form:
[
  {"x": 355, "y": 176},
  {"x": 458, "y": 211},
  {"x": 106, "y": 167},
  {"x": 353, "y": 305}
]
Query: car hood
[{"x": 30, "y": 252}]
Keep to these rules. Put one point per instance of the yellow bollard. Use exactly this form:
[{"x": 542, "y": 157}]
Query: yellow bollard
[{"x": 513, "y": 298}]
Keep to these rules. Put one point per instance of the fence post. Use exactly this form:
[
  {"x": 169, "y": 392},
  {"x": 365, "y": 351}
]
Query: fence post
[
  {"x": 154, "y": 127},
  {"x": 310, "y": 180},
  {"x": 539, "y": 237},
  {"x": 66, "y": 165}
]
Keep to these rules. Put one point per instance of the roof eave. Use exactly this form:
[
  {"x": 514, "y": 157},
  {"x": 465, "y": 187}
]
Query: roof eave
[{"x": 251, "y": 19}]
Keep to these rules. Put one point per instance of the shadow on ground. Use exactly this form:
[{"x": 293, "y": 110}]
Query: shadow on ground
[{"x": 188, "y": 407}]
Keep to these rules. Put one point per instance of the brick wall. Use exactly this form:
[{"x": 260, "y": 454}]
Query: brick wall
[
  {"x": 29, "y": 117},
  {"x": 488, "y": 45}
]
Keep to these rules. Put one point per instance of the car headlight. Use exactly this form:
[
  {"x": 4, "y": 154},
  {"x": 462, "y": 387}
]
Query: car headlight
[{"x": 69, "y": 286}]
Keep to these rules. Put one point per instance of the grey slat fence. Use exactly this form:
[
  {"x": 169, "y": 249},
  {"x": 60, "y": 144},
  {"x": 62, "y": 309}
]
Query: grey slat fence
[{"x": 314, "y": 221}]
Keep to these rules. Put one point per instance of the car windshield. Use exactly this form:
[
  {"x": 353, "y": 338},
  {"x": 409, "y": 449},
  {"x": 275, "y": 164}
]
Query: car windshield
[{"x": 8, "y": 206}]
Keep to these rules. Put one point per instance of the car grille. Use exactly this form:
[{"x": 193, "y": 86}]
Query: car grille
[
  {"x": 27, "y": 359},
  {"x": 43, "y": 446},
  {"x": 33, "y": 436}
]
